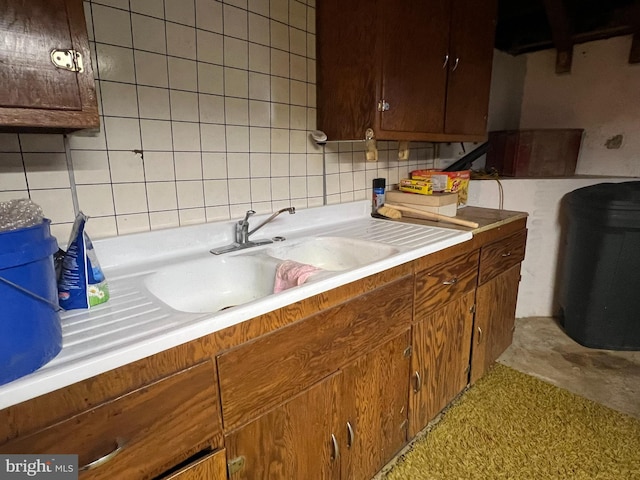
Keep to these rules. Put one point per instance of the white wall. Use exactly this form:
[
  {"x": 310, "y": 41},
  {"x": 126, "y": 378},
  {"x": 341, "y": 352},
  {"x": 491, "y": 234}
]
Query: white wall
[
  {"x": 540, "y": 198},
  {"x": 601, "y": 95}
]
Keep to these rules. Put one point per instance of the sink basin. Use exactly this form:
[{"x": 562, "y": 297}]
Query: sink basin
[
  {"x": 219, "y": 282},
  {"x": 215, "y": 283},
  {"x": 333, "y": 253}
]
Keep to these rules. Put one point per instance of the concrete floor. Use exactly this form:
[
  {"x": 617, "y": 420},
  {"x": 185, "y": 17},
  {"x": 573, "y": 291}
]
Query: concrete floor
[{"x": 542, "y": 349}]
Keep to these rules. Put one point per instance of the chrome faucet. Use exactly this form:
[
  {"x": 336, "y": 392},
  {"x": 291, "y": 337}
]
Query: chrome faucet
[{"x": 242, "y": 232}]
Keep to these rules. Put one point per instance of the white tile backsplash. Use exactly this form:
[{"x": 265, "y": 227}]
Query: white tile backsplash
[
  {"x": 115, "y": 63},
  {"x": 126, "y": 166},
  {"x": 151, "y": 69},
  {"x": 235, "y": 22},
  {"x": 156, "y": 135},
  {"x": 180, "y": 11},
  {"x": 158, "y": 166},
  {"x": 210, "y": 47},
  {"x": 181, "y": 41},
  {"x": 188, "y": 165},
  {"x": 111, "y": 25},
  {"x": 129, "y": 198},
  {"x": 46, "y": 170},
  {"x": 149, "y": 33},
  {"x": 162, "y": 196},
  {"x": 154, "y": 8},
  {"x": 206, "y": 107}
]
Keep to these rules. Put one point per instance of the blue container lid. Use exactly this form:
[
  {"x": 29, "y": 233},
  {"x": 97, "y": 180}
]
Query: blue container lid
[{"x": 26, "y": 245}]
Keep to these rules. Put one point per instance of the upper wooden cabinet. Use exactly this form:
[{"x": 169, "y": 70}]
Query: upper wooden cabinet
[
  {"x": 35, "y": 93},
  {"x": 410, "y": 70}
]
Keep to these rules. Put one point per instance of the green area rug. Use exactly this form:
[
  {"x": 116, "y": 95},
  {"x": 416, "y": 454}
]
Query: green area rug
[{"x": 513, "y": 426}]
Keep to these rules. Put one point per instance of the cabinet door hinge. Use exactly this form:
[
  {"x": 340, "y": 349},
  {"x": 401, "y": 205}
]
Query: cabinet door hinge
[
  {"x": 235, "y": 465},
  {"x": 383, "y": 106},
  {"x": 407, "y": 351},
  {"x": 67, "y": 60}
]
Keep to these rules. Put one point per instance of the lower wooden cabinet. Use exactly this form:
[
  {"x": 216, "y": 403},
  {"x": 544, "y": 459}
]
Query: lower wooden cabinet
[
  {"x": 494, "y": 323},
  {"x": 440, "y": 360},
  {"x": 346, "y": 426},
  {"x": 210, "y": 467},
  {"x": 334, "y": 394},
  {"x": 290, "y": 441},
  {"x": 373, "y": 422},
  {"x": 138, "y": 435}
]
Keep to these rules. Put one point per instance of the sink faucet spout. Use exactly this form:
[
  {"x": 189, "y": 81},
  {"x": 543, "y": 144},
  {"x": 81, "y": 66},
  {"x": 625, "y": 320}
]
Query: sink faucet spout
[
  {"x": 242, "y": 233},
  {"x": 291, "y": 211}
]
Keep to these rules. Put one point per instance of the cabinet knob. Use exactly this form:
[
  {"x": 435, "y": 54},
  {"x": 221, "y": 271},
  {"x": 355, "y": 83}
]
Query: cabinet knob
[
  {"x": 508, "y": 254},
  {"x": 479, "y": 336},
  {"x": 446, "y": 60},
  {"x": 453, "y": 281},
  {"x": 455, "y": 64}
]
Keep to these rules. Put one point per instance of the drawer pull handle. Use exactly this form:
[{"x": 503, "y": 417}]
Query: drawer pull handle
[
  {"x": 453, "y": 281},
  {"x": 350, "y": 435},
  {"x": 104, "y": 459},
  {"x": 479, "y": 335},
  {"x": 508, "y": 254},
  {"x": 418, "y": 386},
  {"x": 336, "y": 449}
]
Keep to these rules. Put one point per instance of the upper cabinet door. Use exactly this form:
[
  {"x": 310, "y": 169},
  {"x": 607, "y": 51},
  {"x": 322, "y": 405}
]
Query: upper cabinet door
[
  {"x": 409, "y": 69},
  {"x": 414, "y": 60},
  {"x": 347, "y": 76},
  {"x": 470, "y": 62},
  {"x": 35, "y": 92}
]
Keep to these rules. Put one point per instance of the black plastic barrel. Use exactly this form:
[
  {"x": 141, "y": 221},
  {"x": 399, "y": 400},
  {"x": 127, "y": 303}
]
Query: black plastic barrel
[{"x": 601, "y": 275}]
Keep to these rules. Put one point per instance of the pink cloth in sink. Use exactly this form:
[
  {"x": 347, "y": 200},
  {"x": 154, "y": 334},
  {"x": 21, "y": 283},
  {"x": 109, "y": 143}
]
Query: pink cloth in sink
[{"x": 291, "y": 274}]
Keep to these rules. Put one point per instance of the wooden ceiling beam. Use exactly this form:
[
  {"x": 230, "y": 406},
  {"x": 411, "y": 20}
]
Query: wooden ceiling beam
[{"x": 561, "y": 32}]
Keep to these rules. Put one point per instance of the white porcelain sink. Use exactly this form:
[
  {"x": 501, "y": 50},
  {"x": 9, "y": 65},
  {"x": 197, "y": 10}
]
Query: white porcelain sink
[
  {"x": 219, "y": 282},
  {"x": 215, "y": 283},
  {"x": 332, "y": 253}
]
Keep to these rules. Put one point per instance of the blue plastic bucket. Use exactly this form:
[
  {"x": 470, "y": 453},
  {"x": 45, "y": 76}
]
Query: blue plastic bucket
[{"x": 30, "y": 330}]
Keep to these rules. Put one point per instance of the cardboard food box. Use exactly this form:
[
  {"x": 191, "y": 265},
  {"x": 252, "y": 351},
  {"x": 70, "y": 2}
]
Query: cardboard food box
[
  {"x": 442, "y": 203},
  {"x": 447, "y": 182},
  {"x": 420, "y": 186}
]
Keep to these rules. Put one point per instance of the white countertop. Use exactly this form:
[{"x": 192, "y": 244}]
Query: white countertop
[{"x": 134, "y": 324}]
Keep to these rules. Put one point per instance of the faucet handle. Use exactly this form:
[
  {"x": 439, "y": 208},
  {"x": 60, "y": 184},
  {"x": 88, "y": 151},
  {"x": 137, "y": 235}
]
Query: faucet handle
[{"x": 247, "y": 215}]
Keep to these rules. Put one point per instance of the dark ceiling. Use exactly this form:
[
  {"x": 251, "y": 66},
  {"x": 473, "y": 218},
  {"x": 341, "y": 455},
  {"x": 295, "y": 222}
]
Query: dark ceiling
[{"x": 530, "y": 25}]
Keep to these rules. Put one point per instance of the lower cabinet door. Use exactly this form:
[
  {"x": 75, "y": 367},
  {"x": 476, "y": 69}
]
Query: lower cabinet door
[
  {"x": 373, "y": 424},
  {"x": 209, "y": 467},
  {"x": 440, "y": 360},
  {"x": 291, "y": 441},
  {"x": 495, "y": 315}
]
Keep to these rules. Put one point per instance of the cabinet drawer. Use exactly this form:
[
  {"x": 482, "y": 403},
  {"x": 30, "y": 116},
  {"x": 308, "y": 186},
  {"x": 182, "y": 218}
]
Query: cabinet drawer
[
  {"x": 140, "y": 434},
  {"x": 210, "y": 467},
  {"x": 443, "y": 282},
  {"x": 501, "y": 255},
  {"x": 259, "y": 375}
]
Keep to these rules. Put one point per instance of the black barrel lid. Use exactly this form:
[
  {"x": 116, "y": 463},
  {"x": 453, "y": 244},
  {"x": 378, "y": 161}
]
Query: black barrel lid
[{"x": 611, "y": 196}]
